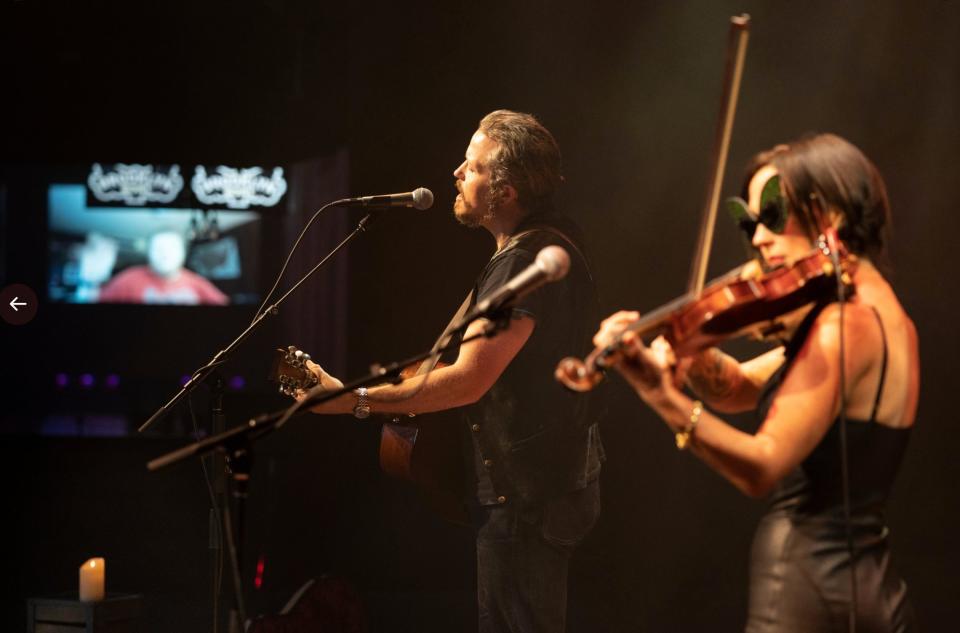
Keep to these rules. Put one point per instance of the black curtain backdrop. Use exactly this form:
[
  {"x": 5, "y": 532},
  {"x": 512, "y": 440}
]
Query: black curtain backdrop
[{"x": 631, "y": 92}]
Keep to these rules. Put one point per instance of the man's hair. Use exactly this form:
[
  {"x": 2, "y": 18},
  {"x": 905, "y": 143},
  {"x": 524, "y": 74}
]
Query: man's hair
[
  {"x": 528, "y": 158},
  {"x": 823, "y": 171}
]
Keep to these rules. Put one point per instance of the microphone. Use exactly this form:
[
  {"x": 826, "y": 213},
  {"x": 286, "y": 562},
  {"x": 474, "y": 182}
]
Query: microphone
[
  {"x": 552, "y": 264},
  {"x": 421, "y": 199}
]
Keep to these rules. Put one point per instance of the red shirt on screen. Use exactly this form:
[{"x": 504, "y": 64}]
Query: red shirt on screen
[{"x": 139, "y": 284}]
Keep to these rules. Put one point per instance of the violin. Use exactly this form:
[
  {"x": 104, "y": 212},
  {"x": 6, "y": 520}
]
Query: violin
[{"x": 734, "y": 305}]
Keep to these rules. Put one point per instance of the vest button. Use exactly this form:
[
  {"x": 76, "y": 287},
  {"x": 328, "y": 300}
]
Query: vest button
[
  {"x": 475, "y": 427},
  {"x": 488, "y": 463},
  {"x": 501, "y": 499}
]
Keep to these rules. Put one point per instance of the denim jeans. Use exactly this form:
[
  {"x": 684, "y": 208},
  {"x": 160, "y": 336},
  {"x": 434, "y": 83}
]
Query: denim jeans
[{"x": 522, "y": 560}]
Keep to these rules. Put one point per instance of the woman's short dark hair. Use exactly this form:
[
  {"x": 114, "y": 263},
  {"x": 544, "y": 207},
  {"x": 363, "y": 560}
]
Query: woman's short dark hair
[
  {"x": 528, "y": 158},
  {"x": 824, "y": 171}
]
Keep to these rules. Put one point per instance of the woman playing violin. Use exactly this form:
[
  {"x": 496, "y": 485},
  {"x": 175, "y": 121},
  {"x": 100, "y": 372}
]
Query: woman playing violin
[{"x": 856, "y": 361}]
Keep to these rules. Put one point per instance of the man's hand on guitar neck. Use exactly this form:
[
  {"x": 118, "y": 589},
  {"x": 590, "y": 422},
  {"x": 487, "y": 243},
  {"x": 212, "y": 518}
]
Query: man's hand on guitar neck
[
  {"x": 326, "y": 382},
  {"x": 324, "y": 379}
]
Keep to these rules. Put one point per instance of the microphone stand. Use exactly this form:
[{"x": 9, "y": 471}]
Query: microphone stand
[
  {"x": 236, "y": 444},
  {"x": 236, "y": 462},
  {"x": 257, "y": 427},
  {"x": 221, "y": 357}
]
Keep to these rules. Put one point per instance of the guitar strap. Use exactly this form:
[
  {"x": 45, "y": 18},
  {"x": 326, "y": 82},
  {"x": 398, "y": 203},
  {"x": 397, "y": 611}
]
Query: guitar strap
[
  {"x": 555, "y": 232},
  {"x": 429, "y": 364}
]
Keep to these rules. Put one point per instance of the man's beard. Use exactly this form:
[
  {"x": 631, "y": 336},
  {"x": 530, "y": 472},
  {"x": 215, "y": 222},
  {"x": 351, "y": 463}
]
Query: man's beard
[{"x": 471, "y": 218}]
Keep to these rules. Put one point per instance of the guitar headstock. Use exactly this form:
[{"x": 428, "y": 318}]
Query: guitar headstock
[{"x": 290, "y": 371}]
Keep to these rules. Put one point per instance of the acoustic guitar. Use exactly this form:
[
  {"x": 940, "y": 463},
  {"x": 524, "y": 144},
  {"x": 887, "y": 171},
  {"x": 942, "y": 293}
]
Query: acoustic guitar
[{"x": 427, "y": 452}]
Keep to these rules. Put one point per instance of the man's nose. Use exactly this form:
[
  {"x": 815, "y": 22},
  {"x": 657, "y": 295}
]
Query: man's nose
[{"x": 458, "y": 172}]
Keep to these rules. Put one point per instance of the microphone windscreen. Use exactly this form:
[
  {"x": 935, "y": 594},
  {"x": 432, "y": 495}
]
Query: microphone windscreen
[
  {"x": 422, "y": 199},
  {"x": 553, "y": 261}
]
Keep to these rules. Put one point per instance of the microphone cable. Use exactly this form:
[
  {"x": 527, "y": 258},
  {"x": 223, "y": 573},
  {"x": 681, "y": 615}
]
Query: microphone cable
[
  {"x": 422, "y": 199},
  {"x": 844, "y": 450},
  {"x": 296, "y": 244}
]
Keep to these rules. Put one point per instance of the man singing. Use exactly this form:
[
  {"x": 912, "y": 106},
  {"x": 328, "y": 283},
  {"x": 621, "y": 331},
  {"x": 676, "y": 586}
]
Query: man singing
[{"x": 536, "y": 449}]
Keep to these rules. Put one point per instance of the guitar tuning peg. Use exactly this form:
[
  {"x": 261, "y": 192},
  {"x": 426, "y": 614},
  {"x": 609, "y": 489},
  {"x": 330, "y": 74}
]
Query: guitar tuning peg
[
  {"x": 291, "y": 348},
  {"x": 298, "y": 354},
  {"x": 306, "y": 357}
]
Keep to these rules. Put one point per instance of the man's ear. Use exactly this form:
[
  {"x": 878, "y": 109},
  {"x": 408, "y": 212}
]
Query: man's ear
[{"x": 509, "y": 194}]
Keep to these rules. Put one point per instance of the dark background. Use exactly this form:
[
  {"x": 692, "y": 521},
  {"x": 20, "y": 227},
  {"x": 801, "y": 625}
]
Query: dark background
[{"x": 394, "y": 91}]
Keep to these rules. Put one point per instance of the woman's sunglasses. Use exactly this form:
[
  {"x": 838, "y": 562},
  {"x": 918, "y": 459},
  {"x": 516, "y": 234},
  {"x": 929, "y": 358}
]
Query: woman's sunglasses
[{"x": 773, "y": 210}]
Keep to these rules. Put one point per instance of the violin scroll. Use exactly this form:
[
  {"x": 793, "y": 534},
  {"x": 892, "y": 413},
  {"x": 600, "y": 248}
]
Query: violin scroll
[
  {"x": 572, "y": 373},
  {"x": 583, "y": 375}
]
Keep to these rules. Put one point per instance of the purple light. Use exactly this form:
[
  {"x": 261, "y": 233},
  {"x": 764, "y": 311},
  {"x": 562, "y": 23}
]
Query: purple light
[
  {"x": 86, "y": 380},
  {"x": 103, "y": 426},
  {"x": 60, "y": 426},
  {"x": 61, "y": 380},
  {"x": 184, "y": 379},
  {"x": 237, "y": 383},
  {"x": 112, "y": 381}
]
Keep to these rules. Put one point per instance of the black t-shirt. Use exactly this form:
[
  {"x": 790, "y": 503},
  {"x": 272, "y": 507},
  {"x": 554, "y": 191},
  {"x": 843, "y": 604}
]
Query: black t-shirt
[{"x": 531, "y": 437}]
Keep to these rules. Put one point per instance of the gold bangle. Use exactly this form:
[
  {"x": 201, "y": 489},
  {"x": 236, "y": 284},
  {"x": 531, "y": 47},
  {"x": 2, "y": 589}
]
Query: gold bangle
[{"x": 683, "y": 437}]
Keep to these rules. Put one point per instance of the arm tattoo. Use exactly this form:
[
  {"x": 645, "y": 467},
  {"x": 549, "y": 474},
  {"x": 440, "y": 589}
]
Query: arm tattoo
[{"x": 714, "y": 375}]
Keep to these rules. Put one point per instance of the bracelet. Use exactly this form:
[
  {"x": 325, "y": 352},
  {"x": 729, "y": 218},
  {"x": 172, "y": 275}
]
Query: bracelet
[{"x": 683, "y": 437}]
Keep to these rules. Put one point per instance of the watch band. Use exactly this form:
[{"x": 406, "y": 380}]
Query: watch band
[{"x": 361, "y": 410}]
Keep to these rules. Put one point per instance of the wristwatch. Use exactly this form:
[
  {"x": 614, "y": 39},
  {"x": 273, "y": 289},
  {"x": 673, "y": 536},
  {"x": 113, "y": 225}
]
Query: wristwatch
[{"x": 362, "y": 409}]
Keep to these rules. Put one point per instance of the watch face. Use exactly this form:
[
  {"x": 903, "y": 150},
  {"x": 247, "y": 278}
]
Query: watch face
[{"x": 361, "y": 412}]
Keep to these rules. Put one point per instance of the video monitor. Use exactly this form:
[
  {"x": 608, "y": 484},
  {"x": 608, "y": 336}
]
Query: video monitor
[{"x": 107, "y": 246}]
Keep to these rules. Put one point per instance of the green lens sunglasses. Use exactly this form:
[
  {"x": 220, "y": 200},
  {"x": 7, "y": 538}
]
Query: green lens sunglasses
[{"x": 773, "y": 210}]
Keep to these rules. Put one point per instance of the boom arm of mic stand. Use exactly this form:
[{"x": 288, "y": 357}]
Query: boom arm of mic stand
[
  {"x": 201, "y": 374},
  {"x": 255, "y": 428}
]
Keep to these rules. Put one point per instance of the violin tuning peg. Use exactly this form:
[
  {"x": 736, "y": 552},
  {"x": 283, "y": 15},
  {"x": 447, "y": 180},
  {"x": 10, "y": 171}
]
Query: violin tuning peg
[{"x": 846, "y": 279}]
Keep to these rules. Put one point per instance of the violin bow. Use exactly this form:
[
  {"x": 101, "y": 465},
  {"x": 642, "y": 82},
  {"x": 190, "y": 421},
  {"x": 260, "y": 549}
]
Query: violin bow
[{"x": 736, "y": 55}]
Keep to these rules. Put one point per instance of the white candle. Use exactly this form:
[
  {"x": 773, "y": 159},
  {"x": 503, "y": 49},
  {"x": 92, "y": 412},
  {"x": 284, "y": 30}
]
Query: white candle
[{"x": 92, "y": 580}]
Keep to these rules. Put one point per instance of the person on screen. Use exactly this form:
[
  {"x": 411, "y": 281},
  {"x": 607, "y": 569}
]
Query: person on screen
[
  {"x": 96, "y": 258},
  {"x": 164, "y": 279}
]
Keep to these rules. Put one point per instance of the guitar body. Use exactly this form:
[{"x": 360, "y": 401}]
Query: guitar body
[{"x": 427, "y": 453}]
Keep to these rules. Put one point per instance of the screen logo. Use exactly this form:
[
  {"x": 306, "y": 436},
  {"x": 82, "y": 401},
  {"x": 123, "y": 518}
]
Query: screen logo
[
  {"x": 238, "y": 188},
  {"x": 134, "y": 185}
]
